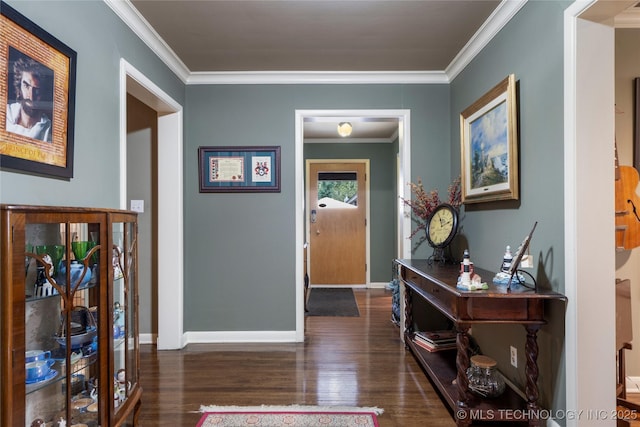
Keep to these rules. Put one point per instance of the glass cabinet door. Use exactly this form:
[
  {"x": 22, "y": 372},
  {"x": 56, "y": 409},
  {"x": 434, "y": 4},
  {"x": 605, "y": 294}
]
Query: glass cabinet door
[
  {"x": 125, "y": 364},
  {"x": 62, "y": 262},
  {"x": 69, "y": 336}
]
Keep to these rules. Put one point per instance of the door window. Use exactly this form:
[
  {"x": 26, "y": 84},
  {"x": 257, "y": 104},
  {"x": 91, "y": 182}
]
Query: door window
[{"x": 337, "y": 190}]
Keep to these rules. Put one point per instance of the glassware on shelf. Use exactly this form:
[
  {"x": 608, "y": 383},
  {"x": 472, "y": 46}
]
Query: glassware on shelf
[
  {"x": 484, "y": 378},
  {"x": 80, "y": 249}
]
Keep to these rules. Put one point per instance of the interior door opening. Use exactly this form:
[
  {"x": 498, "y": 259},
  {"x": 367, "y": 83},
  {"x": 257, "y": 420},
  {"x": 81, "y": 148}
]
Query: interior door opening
[
  {"x": 403, "y": 223},
  {"x": 170, "y": 283}
]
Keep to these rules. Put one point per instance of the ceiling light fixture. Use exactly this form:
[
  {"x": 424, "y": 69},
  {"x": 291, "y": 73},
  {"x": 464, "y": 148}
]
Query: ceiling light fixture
[{"x": 344, "y": 129}]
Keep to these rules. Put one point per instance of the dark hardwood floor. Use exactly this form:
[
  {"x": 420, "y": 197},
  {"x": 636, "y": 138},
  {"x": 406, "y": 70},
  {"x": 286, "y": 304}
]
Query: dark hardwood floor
[
  {"x": 355, "y": 361},
  {"x": 630, "y": 413}
]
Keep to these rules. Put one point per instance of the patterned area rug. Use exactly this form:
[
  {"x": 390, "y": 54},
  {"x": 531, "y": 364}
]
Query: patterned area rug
[{"x": 294, "y": 416}]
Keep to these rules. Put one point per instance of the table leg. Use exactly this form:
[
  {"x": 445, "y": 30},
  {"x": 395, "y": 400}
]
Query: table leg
[
  {"x": 531, "y": 372},
  {"x": 462, "y": 382},
  {"x": 408, "y": 310}
]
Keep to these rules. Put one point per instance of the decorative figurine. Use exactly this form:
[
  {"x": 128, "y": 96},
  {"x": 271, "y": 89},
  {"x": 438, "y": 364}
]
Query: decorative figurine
[
  {"x": 506, "y": 260},
  {"x": 468, "y": 280},
  {"x": 505, "y": 275},
  {"x": 465, "y": 277}
]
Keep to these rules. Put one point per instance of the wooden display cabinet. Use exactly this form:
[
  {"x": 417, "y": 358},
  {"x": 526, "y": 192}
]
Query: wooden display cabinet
[{"x": 68, "y": 269}]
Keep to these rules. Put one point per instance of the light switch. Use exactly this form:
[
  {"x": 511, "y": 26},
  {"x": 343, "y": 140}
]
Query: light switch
[{"x": 137, "y": 205}]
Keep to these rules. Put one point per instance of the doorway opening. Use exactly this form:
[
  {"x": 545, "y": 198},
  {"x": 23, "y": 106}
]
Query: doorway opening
[
  {"x": 403, "y": 223},
  {"x": 168, "y": 209}
]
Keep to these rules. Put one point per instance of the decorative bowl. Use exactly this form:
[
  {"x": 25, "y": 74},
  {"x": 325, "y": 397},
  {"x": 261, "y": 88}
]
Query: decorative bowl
[
  {"x": 78, "y": 341},
  {"x": 77, "y": 269},
  {"x": 81, "y": 403}
]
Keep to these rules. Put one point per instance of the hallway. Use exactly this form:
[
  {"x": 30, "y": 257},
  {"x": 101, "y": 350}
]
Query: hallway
[{"x": 354, "y": 361}]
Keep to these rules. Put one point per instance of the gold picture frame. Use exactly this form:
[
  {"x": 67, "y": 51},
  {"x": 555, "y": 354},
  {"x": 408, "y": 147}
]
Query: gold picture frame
[
  {"x": 37, "y": 98},
  {"x": 489, "y": 146}
]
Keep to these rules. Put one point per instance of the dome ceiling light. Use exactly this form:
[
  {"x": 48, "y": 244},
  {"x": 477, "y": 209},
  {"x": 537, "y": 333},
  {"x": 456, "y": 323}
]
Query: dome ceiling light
[{"x": 344, "y": 129}]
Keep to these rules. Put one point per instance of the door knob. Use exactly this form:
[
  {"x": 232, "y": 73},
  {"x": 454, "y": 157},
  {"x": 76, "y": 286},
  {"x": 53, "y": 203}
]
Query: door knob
[{"x": 317, "y": 232}]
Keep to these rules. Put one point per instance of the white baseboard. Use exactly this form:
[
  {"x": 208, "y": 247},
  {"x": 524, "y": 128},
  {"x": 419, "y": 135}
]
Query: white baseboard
[
  {"x": 363, "y": 286},
  {"x": 148, "y": 338},
  {"x": 240, "y": 337},
  {"x": 371, "y": 285},
  {"x": 377, "y": 285},
  {"x": 221, "y": 337}
]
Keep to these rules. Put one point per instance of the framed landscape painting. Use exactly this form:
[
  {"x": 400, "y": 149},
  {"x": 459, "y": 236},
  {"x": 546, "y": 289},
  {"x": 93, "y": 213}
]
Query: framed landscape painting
[
  {"x": 239, "y": 169},
  {"x": 489, "y": 146},
  {"x": 37, "y": 98}
]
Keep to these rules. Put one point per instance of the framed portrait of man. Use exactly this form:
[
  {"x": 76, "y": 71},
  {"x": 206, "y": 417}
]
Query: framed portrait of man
[{"x": 37, "y": 98}]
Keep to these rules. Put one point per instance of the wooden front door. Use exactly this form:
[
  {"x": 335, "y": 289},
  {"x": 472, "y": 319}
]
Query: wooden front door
[{"x": 337, "y": 230}]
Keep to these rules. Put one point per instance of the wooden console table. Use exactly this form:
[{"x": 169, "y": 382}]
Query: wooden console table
[{"x": 436, "y": 284}]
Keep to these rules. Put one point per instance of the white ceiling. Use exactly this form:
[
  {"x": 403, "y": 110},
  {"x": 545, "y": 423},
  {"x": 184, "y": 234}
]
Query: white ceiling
[
  {"x": 316, "y": 35},
  {"x": 301, "y": 36},
  {"x": 424, "y": 40},
  {"x": 206, "y": 37}
]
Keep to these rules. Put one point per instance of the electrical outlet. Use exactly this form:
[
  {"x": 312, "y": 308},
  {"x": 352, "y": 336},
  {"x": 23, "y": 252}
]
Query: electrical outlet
[
  {"x": 514, "y": 357},
  {"x": 527, "y": 261},
  {"x": 137, "y": 206}
]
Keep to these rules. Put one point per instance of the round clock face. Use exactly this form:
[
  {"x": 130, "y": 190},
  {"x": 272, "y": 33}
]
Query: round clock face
[{"x": 442, "y": 225}]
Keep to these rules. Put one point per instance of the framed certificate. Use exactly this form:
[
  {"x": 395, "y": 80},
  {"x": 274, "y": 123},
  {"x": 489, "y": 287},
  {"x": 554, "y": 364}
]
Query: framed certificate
[{"x": 239, "y": 169}]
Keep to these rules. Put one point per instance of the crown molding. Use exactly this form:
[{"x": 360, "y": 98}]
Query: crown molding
[
  {"x": 492, "y": 26},
  {"x": 496, "y": 21},
  {"x": 141, "y": 27},
  {"x": 319, "y": 77}
]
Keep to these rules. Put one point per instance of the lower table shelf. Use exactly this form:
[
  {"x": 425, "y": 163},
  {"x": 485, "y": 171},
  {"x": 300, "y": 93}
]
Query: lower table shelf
[{"x": 441, "y": 369}]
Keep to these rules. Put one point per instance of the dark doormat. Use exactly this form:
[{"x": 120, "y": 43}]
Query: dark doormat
[{"x": 332, "y": 302}]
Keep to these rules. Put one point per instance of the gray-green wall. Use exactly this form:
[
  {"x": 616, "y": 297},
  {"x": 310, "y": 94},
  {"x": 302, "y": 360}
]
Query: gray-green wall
[
  {"x": 382, "y": 197},
  {"x": 240, "y": 248},
  {"x": 530, "y": 47}
]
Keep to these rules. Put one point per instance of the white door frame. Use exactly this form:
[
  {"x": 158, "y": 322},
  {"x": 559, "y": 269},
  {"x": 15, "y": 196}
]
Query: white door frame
[
  {"x": 367, "y": 237},
  {"x": 404, "y": 223},
  {"x": 170, "y": 200},
  {"x": 589, "y": 96}
]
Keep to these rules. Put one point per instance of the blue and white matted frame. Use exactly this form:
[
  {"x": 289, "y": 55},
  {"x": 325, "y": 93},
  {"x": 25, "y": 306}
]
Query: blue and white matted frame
[{"x": 239, "y": 169}]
